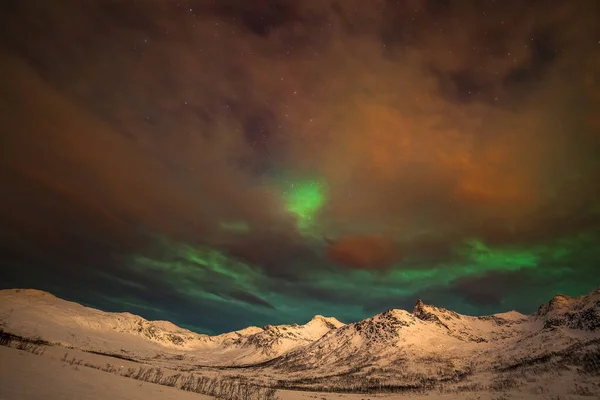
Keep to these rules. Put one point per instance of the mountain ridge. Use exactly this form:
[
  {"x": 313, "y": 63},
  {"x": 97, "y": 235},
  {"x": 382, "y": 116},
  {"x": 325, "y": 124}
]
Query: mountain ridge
[{"x": 320, "y": 344}]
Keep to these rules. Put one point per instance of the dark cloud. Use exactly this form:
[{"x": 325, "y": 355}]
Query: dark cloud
[
  {"x": 490, "y": 289},
  {"x": 251, "y": 299},
  {"x": 199, "y": 102},
  {"x": 431, "y": 123},
  {"x": 260, "y": 17},
  {"x": 282, "y": 255},
  {"x": 363, "y": 252},
  {"x": 428, "y": 250}
]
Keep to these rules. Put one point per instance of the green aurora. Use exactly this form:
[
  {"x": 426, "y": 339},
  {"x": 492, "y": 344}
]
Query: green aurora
[
  {"x": 304, "y": 199},
  {"x": 202, "y": 273}
]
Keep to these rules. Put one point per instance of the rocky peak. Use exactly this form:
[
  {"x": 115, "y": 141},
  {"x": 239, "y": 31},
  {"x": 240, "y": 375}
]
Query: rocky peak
[
  {"x": 558, "y": 302},
  {"x": 395, "y": 316},
  {"x": 561, "y": 298},
  {"x": 425, "y": 312},
  {"x": 418, "y": 308},
  {"x": 575, "y": 313},
  {"x": 385, "y": 326}
]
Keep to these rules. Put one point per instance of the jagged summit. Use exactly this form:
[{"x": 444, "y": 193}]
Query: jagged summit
[
  {"x": 423, "y": 312},
  {"x": 558, "y": 302},
  {"x": 419, "y": 306},
  {"x": 581, "y": 313},
  {"x": 426, "y": 312}
]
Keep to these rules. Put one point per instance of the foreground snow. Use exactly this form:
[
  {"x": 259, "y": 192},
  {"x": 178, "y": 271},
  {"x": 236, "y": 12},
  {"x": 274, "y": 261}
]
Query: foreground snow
[{"x": 24, "y": 376}]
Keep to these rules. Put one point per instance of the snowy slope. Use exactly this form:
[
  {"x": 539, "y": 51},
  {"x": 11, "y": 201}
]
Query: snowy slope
[
  {"x": 24, "y": 376},
  {"x": 275, "y": 340},
  {"x": 34, "y": 313},
  {"x": 254, "y": 345},
  {"x": 408, "y": 347},
  {"x": 394, "y": 334},
  {"x": 428, "y": 340}
]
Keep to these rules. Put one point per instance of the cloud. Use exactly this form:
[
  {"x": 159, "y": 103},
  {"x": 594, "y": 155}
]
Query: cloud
[
  {"x": 363, "y": 252},
  {"x": 251, "y": 299},
  {"x": 430, "y": 124},
  {"x": 491, "y": 288},
  {"x": 399, "y": 139}
]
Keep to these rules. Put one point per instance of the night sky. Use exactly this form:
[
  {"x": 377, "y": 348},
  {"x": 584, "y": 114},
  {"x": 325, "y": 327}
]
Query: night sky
[{"x": 222, "y": 163}]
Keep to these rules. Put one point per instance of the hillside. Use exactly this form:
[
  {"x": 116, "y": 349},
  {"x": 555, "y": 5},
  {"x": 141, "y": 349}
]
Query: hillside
[{"x": 423, "y": 348}]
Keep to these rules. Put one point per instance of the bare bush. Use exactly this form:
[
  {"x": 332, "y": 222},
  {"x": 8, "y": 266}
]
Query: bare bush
[
  {"x": 34, "y": 345},
  {"x": 110, "y": 368},
  {"x": 582, "y": 390},
  {"x": 503, "y": 384},
  {"x": 590, "y": 361},
  {"x": 221, "y": 388}
]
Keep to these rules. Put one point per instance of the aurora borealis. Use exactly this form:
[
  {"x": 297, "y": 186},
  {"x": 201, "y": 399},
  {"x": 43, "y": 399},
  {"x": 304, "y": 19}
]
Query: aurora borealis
[
  {"x": 304, "y": 200},
  {"x": 229, "y": 163}
]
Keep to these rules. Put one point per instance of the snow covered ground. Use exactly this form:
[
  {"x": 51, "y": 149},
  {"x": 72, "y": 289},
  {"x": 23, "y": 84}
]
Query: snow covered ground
[{"x": 25, "y": 376}]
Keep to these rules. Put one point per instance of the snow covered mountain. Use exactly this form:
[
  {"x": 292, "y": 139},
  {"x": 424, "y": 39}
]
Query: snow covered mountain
[
  {"x": 34, "y": 313},
  {"x": 392, "y": 338},
  {"x": 396, "y": 345},
  {"x": 274, "y": 340},
  {"x": 403, "y": 348},
  {"x": 576, "y": 313}
]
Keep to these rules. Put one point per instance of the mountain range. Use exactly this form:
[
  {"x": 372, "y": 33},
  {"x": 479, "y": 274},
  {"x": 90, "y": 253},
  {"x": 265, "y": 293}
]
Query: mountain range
[{"x": 395, "y": 346}]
